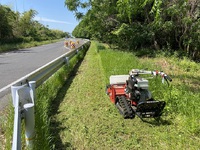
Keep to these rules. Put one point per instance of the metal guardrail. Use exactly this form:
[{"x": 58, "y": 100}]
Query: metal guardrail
[
  {"x": 23, "y": 95},
  {"x": 23, "y": 102},
  {"x": 41, "y": 74}
]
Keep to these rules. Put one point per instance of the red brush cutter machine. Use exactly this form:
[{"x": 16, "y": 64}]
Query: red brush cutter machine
[{"x": 131, "y": 96}]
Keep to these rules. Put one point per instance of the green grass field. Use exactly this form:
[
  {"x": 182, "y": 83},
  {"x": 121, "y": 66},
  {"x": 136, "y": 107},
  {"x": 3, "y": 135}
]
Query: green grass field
[
  {"x": 77, "y": 114},
  {"x": 46, "y": 94},
  {"x": 86, "y": 119}
]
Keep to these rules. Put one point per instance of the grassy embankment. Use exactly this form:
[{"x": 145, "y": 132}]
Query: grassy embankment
[
  {"x": 6, "y": 48},
  {"x": 81, "y": 116},
  {"x": 17, "y": 46},
  {"x": 86, "y": 119},
  {"x": 45, "y": 94}
]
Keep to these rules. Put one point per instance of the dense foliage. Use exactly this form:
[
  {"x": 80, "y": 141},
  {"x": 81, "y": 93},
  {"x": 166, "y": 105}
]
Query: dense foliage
[
  {"x": 173, "y": 25},
  {"x": 16, "y": 27}
]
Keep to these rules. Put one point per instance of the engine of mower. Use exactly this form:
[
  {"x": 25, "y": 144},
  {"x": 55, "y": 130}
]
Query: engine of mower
[
  {"x": 131, "y": 96},
  {"x": 137, "y": 89}
]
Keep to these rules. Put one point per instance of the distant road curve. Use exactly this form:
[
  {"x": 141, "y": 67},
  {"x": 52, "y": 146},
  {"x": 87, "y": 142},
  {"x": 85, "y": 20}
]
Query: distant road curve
[{"x": 18, "y": 63}]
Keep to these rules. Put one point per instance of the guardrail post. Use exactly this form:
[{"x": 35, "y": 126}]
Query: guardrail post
[
  {"x": 15, "y": 94},
  {"x": 30, "y": 116},
  {"x": 23, "y": 101},
  {"x": 32, "y": 85},
  {"x": 16, "y": 145},
  {"x": 67, "y": 60},
  {"x": 29, "y": 124}
]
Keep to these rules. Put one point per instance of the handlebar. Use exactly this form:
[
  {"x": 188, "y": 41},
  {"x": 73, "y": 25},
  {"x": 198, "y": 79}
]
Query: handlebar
[
  {"x": 168, "y": 78},
  {"x": 164, "y": 75},
  {"x": 155, "y": 73}
]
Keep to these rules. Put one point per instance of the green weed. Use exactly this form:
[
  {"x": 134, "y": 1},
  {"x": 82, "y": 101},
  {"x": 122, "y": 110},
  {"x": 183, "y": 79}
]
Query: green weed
[
  {"x": 45, "y": 95},
  {"x": 182, "y": 96},
  {"x": 86, "y": 119},
  {"x": 77, "y": 114}
]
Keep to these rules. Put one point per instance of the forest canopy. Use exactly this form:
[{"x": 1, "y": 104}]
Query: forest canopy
[
  {"x": 173, "y": 25},
  {"x": 21, "y": 27}
]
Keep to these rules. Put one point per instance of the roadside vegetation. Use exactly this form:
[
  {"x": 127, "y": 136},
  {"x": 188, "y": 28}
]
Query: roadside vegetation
[
  {"x": 172, "y": 25},
  {"x": 86, "y": 119},
  {"x": 73, "y": 111},
  {"x": 20, "y": 30},
  {"x": 45, "y": 105}
]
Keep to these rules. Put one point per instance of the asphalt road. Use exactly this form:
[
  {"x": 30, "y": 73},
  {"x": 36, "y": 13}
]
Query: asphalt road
[{"x": 16, "y": 64}]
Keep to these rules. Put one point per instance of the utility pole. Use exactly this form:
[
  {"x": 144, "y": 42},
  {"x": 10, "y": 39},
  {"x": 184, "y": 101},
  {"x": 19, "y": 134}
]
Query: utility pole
[{"x": 15, "y": 6}]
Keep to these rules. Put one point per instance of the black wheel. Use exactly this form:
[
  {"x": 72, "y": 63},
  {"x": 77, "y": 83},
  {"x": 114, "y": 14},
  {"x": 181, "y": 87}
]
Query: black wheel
[{"x": 125, "y": 107}]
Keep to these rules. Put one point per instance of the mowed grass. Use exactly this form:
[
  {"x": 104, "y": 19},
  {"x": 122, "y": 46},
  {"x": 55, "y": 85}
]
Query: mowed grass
[
  {"x": 45, "y": 96},
  {"x": 86, "y": 119}
]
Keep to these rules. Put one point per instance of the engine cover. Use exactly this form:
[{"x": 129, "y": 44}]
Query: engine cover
[{"x": 142, "y": 83}]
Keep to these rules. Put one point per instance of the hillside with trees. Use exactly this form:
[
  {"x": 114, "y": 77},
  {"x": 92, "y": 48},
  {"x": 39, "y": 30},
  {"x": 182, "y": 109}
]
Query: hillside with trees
[
  {"x": 18, "y": 27},
  {"x": 172, "y": 25}
]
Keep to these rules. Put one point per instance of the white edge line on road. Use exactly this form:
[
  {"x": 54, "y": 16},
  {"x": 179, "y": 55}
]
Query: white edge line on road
[
  {"x": 8, "y": 86},
  {"x": 67, "y": 48},
  {"x": 22, "y": 78}
]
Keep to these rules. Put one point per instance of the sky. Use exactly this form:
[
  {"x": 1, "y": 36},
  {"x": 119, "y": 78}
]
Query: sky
[{"x": 50, "y": 12}]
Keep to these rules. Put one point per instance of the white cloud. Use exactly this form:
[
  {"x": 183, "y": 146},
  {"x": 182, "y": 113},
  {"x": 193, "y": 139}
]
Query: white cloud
[{"x": 51, "y": 20}]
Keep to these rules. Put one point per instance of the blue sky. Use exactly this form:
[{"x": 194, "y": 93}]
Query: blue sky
[{"x": 50, "y": 12}]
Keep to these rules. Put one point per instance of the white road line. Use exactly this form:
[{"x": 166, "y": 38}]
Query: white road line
[{"x": 67, "y": 48}]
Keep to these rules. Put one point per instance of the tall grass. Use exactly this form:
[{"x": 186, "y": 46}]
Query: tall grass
[
  {"x": 86, "y": 119},
  {"x": 6, "y": 126},
  {"x": 77, "y": 114},
  {"x": 182, "y": 97},
  {"x": 45, "y": 94}
]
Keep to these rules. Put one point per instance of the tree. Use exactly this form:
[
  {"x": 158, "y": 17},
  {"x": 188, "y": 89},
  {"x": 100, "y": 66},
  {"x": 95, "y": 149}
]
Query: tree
[
  {"x": 5, "y": 27},
  {"x": 134, "y": 24},
  {"x": 26, "y": 23},
  {"x": 16, "y": 27}
]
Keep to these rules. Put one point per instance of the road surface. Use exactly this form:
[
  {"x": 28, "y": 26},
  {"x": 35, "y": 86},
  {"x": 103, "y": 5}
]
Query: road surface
[{"x": 16, "y": 64}]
